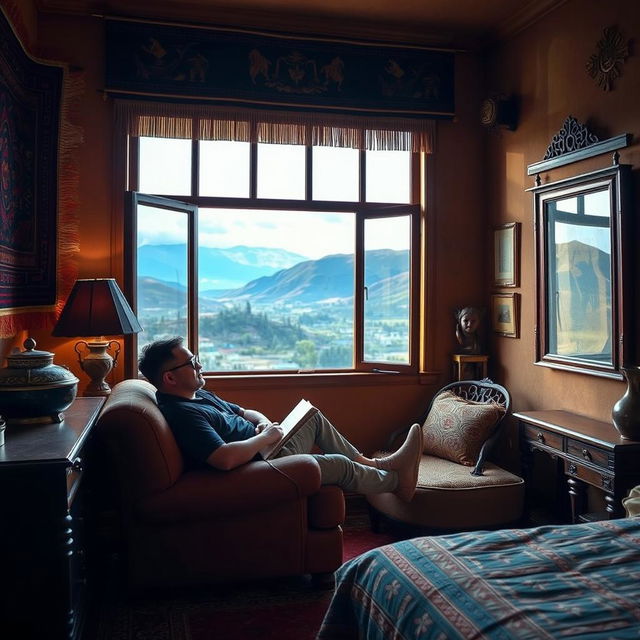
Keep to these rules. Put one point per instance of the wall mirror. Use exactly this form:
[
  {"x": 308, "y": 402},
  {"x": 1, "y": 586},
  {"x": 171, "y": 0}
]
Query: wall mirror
[{"x": 583, "y": 272}]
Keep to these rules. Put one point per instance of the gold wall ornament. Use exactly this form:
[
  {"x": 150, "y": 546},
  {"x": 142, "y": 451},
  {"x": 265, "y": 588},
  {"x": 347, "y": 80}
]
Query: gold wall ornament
[{"x": 605, "y": 65}]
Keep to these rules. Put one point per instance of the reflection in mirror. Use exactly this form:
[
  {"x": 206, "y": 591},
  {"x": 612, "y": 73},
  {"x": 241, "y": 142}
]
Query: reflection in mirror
[
  {"x": 579, "y": 260},
  {"x": 580, "y": 274}
]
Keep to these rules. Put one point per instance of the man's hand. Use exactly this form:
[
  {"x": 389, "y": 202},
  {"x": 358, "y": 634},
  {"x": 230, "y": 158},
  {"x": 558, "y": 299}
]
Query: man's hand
[
  {"x": 233, "y": 454},
  {"x": 272, "y": 432},
  {"x": 263, "y": 424}
]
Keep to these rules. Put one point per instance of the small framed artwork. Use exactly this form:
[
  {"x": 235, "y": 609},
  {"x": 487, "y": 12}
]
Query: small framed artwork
[
  {"x": 505, "y": 314},
  {"x": 506, "y": 255}
]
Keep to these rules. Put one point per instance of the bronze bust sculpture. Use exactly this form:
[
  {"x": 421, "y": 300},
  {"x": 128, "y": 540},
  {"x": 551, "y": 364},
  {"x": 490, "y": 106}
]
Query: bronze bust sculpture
[{"x": 468, "y": 320}]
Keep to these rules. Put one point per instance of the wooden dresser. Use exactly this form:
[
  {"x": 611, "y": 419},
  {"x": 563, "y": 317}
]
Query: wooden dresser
[
  {"x": 587, "y": 452},
  {"x": 42, "y": 574}
]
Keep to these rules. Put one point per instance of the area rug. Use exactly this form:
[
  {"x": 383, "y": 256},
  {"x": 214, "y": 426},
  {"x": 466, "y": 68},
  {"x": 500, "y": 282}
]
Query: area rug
[{"x": 282, "y": 609}]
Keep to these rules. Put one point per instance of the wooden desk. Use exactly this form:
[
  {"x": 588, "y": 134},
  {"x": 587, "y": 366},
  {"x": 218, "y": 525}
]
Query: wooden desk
[
  {"x": 589, "y": 452},
  {"x": 42, "y": 578}
]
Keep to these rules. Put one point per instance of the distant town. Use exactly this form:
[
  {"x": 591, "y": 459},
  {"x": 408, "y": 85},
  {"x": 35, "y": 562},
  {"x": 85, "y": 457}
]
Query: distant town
[{"x": 296, "y": 318}]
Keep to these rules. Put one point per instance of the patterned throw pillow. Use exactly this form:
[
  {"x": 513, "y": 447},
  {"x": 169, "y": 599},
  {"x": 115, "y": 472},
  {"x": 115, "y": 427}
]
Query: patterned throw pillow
[{"x": 456, "y": 429}]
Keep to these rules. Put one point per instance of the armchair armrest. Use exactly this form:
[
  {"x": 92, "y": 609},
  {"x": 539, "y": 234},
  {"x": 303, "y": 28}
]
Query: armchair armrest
[{"x": 255, "y": 486}]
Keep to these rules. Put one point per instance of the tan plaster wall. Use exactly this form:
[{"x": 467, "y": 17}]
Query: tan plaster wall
[{"x": 545, "y": 66}]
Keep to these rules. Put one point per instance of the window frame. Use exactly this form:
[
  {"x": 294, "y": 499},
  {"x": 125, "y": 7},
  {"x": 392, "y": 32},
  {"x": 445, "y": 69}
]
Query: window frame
[{"x": 363, "y": 210}]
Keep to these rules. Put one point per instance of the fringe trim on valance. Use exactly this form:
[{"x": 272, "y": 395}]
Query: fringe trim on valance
[{"x": 206, "y": 122}]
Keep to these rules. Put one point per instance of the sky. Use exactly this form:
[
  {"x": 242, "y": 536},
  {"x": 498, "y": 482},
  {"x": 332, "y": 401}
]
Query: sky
[
  {"x": 595, "y": 204},
  {"x": 309, "y": 234},
  {"x": 165, "y": 170}
]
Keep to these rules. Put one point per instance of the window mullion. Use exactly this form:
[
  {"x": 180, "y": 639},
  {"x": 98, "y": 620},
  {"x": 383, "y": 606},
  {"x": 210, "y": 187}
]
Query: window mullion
[
  {"x": 309, "y": 173},
  {"x": 192, "y": 299},
  {"x": 363, "y": 176},
  {"x": 253, "y": 162},
  {"x": 133, "y": 176},
  {"x": 359, "y": 292},
  {"x": 358, "y": 310},
  {"x": 195, "y": 168}
]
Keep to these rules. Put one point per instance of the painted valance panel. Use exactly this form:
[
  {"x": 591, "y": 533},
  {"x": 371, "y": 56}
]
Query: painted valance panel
[{"x": 285, "y": 72}]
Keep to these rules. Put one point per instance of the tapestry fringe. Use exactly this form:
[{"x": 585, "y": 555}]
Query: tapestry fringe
[
  {"x": 11, "y": 325},
  {"x": 207, "y": 122},
  {"x": 71, "y": 137}
]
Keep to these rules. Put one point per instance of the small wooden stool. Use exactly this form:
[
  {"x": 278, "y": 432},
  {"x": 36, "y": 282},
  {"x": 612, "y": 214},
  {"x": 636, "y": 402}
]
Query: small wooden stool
[{"x": 469, "y": 366}]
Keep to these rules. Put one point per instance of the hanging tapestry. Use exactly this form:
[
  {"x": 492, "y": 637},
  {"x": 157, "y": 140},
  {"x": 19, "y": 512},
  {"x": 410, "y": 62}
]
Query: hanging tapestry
[
  {"x": 248, "y": 68},
  {"x": 30, "y": 250}
]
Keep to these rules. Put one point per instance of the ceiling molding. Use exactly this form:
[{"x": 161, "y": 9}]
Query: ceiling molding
[
  {"x": 298, "y": 21},
  {"x": 524, "y": 17},
  {"x": 443, "y": 25}
]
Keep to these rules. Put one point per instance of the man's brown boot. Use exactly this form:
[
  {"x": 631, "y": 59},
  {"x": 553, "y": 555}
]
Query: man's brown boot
[{"x": 405, "y": 462}]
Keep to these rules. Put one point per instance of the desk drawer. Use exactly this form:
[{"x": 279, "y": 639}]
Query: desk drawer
[
  {"x": 590, "y": 476},
  {"x": 591, "y": 454},
  {"x": 535, "y": 434}
]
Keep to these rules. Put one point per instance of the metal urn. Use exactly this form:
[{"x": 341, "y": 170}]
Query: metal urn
[{"x": 33, "y": 390}]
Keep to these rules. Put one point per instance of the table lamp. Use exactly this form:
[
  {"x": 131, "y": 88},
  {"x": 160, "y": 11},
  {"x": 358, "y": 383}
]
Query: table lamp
[{"x": 96, "y": 308}]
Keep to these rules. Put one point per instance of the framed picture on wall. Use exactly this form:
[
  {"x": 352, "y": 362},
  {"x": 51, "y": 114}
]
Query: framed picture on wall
[
  {"x": 505, "y": 314},
  {"x": 506, "y": 255}
]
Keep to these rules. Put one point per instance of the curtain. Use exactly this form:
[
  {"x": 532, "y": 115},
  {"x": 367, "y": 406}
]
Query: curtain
[{"x": 207, "y": 122}]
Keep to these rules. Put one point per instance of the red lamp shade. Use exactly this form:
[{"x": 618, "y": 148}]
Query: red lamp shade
[{"x": 96, "y": 307}]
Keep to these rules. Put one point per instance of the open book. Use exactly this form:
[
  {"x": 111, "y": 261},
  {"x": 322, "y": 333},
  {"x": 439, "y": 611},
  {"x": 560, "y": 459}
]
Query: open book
[{"x": 298, "y": 416}]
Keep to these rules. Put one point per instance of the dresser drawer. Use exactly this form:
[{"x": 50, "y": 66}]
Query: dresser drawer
[
  {"x": 591, "y": 454},
  {"x": 535, "y": 434},
  {"x": 588, "y": 475}
]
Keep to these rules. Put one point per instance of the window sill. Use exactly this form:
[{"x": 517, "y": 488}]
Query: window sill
[{"x": 302, "y": 380}]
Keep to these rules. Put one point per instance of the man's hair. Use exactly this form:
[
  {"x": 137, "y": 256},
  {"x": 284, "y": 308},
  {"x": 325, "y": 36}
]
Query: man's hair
[{"x": 155, "y": 356}]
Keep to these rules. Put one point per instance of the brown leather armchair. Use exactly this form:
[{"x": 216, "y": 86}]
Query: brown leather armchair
[{"x": 262, "y": 519}]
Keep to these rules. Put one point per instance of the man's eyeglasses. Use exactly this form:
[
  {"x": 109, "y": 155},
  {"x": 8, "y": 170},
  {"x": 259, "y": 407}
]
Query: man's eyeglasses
[{"x": 192, "y": 361}]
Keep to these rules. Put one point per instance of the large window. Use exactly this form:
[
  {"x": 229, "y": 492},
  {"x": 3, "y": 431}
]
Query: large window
[{"x": 276, "y": 257}]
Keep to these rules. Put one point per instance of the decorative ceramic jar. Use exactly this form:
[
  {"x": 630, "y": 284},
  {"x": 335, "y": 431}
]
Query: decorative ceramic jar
[
  {"x": 33, "y": 390},
  {"x": 626, "y": 412}
]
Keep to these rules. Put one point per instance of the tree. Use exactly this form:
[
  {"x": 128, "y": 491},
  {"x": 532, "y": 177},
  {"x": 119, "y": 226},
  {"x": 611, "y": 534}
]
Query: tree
[
  {"x": 305, "y": 354},
  {"x": 336, "y": 357}
]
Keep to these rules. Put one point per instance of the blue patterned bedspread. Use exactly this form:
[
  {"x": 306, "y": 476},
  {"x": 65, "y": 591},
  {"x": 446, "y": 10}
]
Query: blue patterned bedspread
[{"x": 573, "y": 581}]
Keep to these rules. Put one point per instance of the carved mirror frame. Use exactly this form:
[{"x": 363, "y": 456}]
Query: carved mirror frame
[{"x": 584, "y": 235}]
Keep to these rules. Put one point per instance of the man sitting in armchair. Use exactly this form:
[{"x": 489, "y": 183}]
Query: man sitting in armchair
[{"x": 211, "y": 431}]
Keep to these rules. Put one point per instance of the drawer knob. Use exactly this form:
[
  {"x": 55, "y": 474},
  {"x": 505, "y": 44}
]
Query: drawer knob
[
  {"x": 573, "y": 470},
  {"x": 540, "y": 436},
  {"x": 586, "y": 454}
]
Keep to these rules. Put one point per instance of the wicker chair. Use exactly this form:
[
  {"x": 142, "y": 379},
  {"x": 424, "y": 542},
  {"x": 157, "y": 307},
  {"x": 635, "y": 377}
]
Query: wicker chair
[{"x": 455, "y": 496}]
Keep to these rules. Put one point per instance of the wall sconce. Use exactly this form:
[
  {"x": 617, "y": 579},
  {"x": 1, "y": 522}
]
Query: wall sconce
[
  {"x": 499, "y": 111},
  {"x": 96, "y": 307}
]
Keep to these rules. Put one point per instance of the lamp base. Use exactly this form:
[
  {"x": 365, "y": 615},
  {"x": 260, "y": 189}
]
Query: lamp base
[{"x": 97, "y": 364}]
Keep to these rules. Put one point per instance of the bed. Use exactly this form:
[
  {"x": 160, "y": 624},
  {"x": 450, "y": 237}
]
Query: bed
[{"x": 570, "y": 581}]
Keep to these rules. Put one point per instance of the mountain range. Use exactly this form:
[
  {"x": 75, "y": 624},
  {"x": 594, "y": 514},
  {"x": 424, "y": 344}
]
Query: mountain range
[
  {"x": 227, "y": 268},
  {"x": 267, "y": 276},
  {"x": 328, "y": 279}
]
